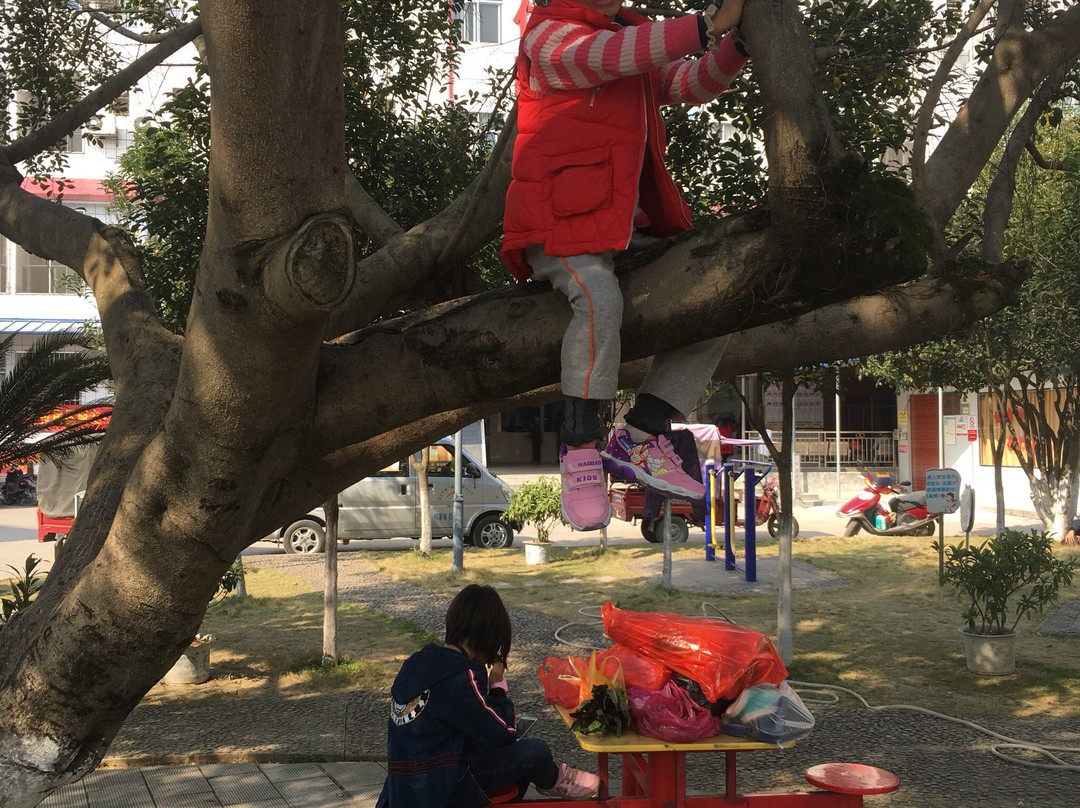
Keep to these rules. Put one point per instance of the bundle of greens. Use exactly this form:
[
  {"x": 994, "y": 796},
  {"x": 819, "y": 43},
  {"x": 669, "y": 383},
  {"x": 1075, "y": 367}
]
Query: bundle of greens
[{"x": 605, "y": 712}]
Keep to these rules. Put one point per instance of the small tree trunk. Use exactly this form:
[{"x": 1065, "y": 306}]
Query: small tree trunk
[
  {"x": 425, "y": 502},
  {"x": 784, "y": 629},
  {"x": 330, "y": 593},
  {"x": 241, "y": 582}
]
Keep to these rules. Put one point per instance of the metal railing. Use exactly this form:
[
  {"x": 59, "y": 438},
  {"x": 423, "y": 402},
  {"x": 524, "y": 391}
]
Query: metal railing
[{"x": 818, "y": 449}]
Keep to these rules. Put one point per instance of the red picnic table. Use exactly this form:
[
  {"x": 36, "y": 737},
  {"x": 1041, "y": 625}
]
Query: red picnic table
[{"x": 654, "y": 776}]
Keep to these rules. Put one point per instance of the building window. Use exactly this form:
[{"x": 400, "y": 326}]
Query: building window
[
  {"x": 480, "y": 22},
  {"x": 39, "y": 276}
]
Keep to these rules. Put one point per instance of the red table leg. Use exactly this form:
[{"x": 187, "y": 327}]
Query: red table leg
[{"x": 730, "y": 786}]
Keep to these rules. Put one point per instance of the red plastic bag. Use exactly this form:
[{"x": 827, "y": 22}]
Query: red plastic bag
[
  {"x": 722, "y": 658},
  {"x": 561, "y": 681},
  {"x": 671, "y": 715},
  {"x": 568, "y": 682},
  {"x": 638, "y": 671}
]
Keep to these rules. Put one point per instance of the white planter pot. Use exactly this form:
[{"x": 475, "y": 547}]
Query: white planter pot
[
  {"x": 990, "y": 654},
  {"x": 192, "y": 668},
  {"x": 537, "y": 552}
]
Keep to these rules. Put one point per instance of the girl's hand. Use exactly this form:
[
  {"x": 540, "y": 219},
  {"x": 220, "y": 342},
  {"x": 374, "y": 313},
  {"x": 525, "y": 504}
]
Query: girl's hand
[
  {"x": 718, "y": 21},
  {"x": 496, "y": 672}
]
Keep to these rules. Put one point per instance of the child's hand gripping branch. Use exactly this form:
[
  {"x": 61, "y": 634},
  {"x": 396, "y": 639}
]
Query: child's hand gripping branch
[{"x": 588, "y": 176}]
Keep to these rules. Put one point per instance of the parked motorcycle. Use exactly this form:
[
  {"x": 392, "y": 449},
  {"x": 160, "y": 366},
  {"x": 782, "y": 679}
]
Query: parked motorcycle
[
  {"x": 19, "y": 489},
  {"x": 906, "y": 514}
]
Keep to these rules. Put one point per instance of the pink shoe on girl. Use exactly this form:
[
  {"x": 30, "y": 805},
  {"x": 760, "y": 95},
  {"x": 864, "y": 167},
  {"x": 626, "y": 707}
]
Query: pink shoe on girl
[
  {"x": 573, "y": 784},
  {"x": 584, "y": 498}
]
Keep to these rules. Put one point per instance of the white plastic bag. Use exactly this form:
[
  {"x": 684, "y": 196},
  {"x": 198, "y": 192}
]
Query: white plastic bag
[{"x": 768, "y": 713}]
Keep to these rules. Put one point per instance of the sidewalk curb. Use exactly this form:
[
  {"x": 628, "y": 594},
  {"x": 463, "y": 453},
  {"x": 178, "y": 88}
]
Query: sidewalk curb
[{"x": 207, "y": 759}]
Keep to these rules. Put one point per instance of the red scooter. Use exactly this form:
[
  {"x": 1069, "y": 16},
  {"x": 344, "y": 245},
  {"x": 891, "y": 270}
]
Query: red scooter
[{"x": 905, "y": 516}]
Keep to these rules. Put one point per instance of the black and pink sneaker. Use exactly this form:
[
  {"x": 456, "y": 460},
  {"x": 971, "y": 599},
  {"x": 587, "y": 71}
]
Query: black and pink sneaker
[{"x": 652, "y": 463}]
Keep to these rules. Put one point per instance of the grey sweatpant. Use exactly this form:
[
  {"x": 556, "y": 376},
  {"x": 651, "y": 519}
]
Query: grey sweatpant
[{"x": 591, "y": 348}]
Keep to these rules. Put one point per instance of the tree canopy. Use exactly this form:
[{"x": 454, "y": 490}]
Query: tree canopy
[{"x": 828, "y": 258}]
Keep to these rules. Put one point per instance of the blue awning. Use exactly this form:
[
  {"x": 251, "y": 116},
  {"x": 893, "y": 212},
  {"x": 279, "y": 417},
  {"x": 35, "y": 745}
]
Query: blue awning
[{"x": 9, "y": 325}]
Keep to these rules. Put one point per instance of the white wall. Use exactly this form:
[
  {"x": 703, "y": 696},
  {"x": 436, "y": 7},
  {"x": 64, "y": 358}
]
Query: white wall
[
  {"x": 963, "y": 455},
  {"x": 471, "y": 74}
]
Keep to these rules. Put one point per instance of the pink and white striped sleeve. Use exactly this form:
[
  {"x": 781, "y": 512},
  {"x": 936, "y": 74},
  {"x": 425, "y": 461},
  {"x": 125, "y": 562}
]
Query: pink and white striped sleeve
[
  {"x": 698, "y": 81},
  {"x": 567, "y": 56}
]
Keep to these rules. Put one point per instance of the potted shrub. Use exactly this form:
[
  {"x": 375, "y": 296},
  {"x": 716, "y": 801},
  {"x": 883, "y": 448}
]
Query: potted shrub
[
  {"x": 536, "y": 503},
  {"x": 193, "y": 666},
  {"x": 1002, "y": 580}
]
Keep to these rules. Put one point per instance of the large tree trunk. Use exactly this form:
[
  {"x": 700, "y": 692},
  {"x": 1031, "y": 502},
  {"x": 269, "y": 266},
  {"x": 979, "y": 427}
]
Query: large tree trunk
[{"x": 276, "y": 256}]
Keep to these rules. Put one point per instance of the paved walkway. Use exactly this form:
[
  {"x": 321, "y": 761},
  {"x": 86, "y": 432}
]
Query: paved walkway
[{"x": 238, "y": 785}]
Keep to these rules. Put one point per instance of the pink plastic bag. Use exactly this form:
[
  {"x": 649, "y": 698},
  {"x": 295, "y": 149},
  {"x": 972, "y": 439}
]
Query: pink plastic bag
[{"x": 671, "y": 715}]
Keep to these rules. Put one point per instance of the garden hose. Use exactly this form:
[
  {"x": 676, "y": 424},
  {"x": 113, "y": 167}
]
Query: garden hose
[{"x": 807, "y": 691}]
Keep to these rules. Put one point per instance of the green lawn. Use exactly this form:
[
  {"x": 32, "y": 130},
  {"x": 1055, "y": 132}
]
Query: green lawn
[{"x": 889, "y": 634}]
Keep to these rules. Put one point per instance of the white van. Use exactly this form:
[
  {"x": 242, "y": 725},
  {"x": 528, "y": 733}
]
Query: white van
[{"x": 386, "y": 505}]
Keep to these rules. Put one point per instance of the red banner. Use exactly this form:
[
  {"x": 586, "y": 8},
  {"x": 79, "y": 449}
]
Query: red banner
[{"x": 67, "y": 416}]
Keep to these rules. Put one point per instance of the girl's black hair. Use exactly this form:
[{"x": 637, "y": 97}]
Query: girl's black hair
[{"x": 477, "y": 617}]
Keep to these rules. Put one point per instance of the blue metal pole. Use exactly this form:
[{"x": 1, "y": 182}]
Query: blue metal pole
[
  {"x": 710, "y": 508},
  {"x": 729, "y": 518},
  {"x": 750, "y": 526}
]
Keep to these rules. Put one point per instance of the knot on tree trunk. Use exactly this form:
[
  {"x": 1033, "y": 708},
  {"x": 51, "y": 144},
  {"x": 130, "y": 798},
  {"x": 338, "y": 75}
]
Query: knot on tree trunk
[{"x": 316, "y": 267}]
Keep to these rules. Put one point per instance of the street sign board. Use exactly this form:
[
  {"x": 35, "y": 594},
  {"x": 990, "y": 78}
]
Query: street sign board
[{"x": 942, "y": 490}]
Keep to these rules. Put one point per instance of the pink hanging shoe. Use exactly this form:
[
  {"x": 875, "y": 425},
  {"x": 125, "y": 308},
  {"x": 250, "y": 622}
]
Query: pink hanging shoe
[{"x": 584, "y": 498}]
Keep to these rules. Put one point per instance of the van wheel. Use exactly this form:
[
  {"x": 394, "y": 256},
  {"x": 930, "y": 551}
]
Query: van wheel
[
  {"x": 491, "y": 533},
  {"x": 304, "y": 537}
]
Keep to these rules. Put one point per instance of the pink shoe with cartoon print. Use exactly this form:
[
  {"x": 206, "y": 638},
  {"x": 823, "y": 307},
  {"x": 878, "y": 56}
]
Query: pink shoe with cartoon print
[
  {"x": 652, "y": 464},
  {"x": 584, "y": 497}
]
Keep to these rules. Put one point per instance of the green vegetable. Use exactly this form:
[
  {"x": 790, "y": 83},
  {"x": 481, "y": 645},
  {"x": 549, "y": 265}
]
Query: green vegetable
[{"x": 606, "y": 712}]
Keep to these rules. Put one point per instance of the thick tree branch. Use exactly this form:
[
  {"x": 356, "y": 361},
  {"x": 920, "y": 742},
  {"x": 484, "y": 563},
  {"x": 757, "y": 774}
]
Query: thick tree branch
[
  {"x": 890, "y": 320},
  {"x": 1021, "y": 62},
  {"x": 68, "y": 121},
  {"x": 999, "y": 197},
  {"x": 924, "y": 122},
  {"x": 507, "y": 341}
]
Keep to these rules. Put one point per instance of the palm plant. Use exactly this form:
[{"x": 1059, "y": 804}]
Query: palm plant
[{"x": 33, "y": 421}]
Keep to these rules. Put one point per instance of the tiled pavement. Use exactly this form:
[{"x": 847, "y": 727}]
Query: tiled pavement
[{"x": 354, "y": 784}]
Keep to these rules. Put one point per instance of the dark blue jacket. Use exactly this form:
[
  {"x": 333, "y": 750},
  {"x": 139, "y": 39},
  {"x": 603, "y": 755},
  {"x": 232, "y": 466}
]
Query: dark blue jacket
[{"x": 441, "y": 709}]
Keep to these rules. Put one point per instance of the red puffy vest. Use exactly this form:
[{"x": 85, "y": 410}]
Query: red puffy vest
[{"x": 585, "y": 160}]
